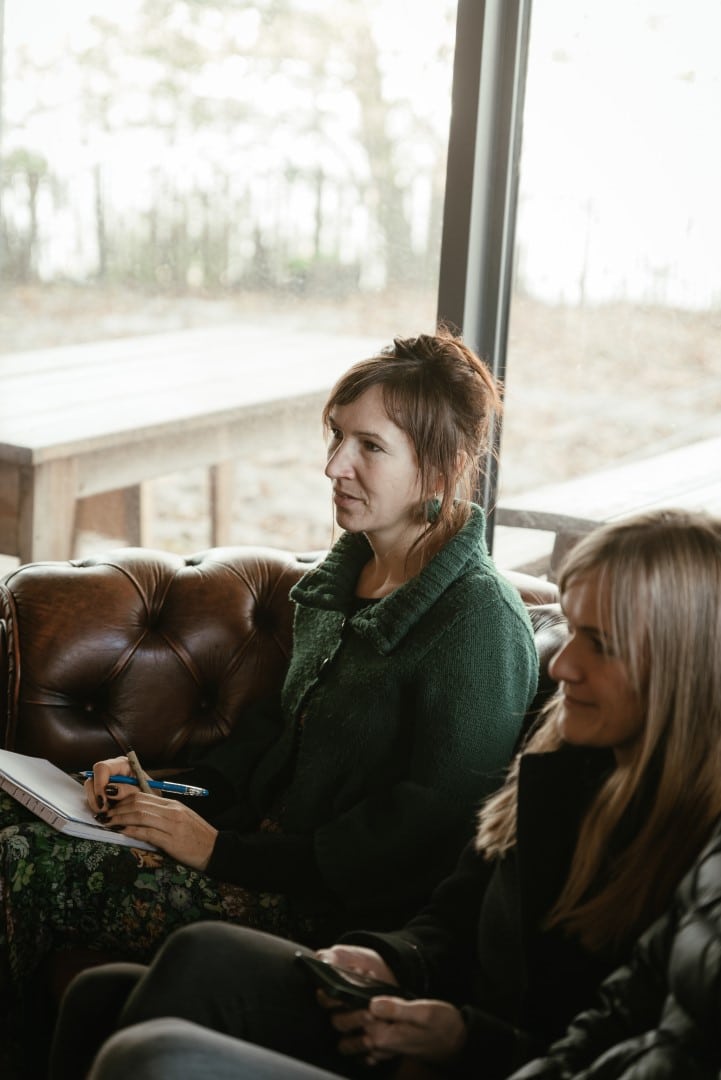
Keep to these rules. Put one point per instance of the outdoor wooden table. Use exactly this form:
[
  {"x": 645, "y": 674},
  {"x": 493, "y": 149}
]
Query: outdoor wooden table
[
  {"x": 82, "y": 420},
  {"x": 688, "y": 477}
]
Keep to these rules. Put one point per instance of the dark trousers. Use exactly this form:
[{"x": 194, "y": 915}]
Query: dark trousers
[{"x": 233, "y": 980}]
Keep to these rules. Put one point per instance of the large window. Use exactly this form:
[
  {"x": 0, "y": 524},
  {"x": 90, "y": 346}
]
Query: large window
[
  {"x": 171, "y": 165},
  {"x": 279, "y": 168},
  {"x": 615, "y": 331}
]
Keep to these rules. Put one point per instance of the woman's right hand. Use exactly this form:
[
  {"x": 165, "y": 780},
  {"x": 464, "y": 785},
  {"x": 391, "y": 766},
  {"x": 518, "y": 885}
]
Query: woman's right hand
[
  {"x": 357, "y": 958},
  {"x": 102, "y": 771}
]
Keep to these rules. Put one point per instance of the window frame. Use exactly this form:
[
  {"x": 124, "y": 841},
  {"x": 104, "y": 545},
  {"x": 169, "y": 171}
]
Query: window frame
[{"x": 482, "y": 173}]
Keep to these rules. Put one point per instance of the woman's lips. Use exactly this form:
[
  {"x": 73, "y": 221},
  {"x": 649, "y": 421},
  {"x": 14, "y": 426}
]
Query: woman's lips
[{"x": 568, "y": 700}]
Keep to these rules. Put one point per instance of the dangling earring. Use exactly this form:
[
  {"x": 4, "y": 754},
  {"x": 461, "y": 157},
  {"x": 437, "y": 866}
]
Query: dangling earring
[{"x": 431, "y": 507}]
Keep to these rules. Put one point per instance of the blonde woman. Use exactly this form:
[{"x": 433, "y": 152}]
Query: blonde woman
[{"x": 603, "y": 812}]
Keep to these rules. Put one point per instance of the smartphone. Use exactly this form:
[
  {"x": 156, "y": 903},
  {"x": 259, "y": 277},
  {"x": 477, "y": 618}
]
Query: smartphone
[{"x": 351, "y": 987}]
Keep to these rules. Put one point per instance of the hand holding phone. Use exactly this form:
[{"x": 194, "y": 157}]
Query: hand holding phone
[{"x": 352, "y": 988}]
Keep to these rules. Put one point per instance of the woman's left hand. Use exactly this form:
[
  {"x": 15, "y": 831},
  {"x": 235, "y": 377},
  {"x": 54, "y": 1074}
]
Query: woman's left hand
[
  {"x": 431, "y": 1031},
  {"x": 170, "y": 825}
]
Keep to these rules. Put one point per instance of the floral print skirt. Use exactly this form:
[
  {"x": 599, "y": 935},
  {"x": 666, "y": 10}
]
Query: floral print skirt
[{"x": 58, "y": 891}]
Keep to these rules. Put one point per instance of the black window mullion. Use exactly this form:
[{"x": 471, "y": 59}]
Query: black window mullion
[{"x": 484, "y": 146}]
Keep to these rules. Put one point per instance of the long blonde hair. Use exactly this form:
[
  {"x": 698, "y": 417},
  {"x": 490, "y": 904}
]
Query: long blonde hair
[{"x": 659, "y": 588}]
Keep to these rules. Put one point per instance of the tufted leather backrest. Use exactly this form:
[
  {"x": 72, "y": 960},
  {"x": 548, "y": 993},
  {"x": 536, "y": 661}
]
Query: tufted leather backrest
[{"x": 167, "y": 649}]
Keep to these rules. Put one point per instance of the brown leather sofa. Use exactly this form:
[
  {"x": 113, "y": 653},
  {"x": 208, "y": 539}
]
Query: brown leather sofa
[{"x": 165, "y": 650}]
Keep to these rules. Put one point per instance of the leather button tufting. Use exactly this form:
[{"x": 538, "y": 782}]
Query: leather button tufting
[{"x": 202, "y": 656}]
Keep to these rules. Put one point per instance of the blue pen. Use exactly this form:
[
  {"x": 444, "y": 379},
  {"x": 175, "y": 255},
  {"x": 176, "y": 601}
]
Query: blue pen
[{"x": 159, "y": 785}]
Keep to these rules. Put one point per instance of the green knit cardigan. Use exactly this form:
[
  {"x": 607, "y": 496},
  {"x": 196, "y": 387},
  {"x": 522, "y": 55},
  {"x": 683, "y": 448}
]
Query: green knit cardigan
[{"x": 397, "y": 719}]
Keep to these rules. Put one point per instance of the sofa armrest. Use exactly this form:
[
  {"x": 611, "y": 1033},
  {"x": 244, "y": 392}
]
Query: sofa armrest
[{"x": 533, "y": 590}]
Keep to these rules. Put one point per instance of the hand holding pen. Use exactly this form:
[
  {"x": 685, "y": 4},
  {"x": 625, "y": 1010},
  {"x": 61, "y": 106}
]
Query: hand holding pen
[{"x": 119, "y": 803}]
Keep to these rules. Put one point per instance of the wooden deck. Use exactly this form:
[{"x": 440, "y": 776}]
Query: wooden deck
[
  {"x": 688, "y": 477},
  {"x": 94, "y": 419}
]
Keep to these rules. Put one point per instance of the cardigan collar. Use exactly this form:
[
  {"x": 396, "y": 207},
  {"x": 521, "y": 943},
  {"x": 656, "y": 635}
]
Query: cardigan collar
[{"x": 331, "y": 585}]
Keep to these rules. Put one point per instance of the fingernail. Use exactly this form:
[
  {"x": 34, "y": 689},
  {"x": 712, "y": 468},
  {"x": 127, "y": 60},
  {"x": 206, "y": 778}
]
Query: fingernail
[
  {"x": 101, "y": 800},
  {"x": 111, "y": 789},
  {"x": 102, "y": 817},
  {"x": 117, "y": 828}
]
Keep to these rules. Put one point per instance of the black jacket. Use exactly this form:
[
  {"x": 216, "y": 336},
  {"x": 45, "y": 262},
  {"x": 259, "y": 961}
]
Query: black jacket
[
  {"x": 480, "y": 942},
  {"x": 660, "y": 1016}
]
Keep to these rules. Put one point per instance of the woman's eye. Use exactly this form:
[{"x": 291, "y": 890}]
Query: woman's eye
[
  {"x": 603, "y": 647},
  {"x": 334, "y": 435},
  {"x": 373, "y": 447}
]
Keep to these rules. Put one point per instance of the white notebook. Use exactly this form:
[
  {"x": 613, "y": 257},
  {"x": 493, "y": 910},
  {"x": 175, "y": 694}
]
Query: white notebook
[{"x": 57, "y": 798}]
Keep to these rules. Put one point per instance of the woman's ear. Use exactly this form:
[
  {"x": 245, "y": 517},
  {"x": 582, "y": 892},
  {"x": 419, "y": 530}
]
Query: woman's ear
[
  {"x": 439, "y": 480},
  {"x": 436, "y": 482}
]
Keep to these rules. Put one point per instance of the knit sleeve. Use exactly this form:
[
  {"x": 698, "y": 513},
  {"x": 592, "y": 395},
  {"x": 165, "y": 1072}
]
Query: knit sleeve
[{"x": 233, "y": 759}]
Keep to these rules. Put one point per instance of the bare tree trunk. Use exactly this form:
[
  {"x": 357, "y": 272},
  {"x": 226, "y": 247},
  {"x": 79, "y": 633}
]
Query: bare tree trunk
[
  {"x": 390, "y": 211},
  {"x": 29, "y": 268},
  {"x": 318, "y": 222},
  {"x": 100, "y": 232}
]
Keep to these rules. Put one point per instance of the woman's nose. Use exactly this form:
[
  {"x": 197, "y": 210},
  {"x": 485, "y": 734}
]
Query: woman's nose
[
  {"x": 338, "y": 463},
  {"x": 562, "y": 666}
]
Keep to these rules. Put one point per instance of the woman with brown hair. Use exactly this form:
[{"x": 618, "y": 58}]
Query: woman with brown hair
[
  {"x": 603, "y": 812},
  {"x": 346, "y": 797}
]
